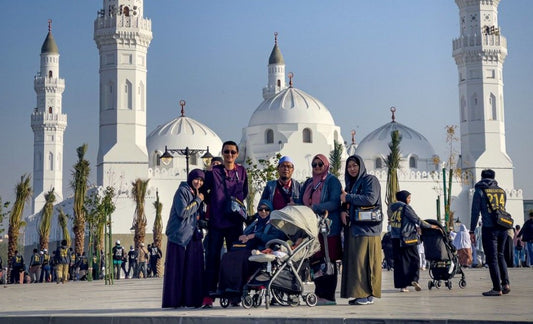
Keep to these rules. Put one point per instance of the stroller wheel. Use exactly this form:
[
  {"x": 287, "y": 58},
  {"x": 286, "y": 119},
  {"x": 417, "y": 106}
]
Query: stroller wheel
[
  {"x": 247, "y": 301},
  {"x": 449, "y": 284},
  {"x": 257, "y": 299},
  {"x": 224, "y": 302},
  {"x": 438, "y": 284},
  {"x": 430, "y": 284},
  {"x": 311, "y": 300},
  {"x": 462, "y": 283}
]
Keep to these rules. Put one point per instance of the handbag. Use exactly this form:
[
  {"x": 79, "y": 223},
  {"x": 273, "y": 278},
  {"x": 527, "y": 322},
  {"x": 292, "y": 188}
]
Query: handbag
[
  {"x": 502, "y": 218},
  {"x": 496, "y": 209},
  {"x": 371, "y": 214},
  {"x": 410, "y": 235},
  {"x": 236, "y": 209}
]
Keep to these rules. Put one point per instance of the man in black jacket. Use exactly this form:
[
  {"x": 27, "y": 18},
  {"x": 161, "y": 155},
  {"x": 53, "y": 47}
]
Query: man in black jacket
[{"x": 494, "y": 237}]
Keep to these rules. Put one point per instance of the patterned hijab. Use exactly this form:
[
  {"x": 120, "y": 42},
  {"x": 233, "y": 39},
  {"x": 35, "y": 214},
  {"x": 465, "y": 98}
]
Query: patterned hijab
[{"x": 314, "y": 190}]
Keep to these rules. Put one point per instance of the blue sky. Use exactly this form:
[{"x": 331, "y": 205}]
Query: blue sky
[{"x": 358, "y": 57}]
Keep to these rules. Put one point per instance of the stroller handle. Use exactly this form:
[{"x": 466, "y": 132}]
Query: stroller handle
[{"x": 281, "y": 242}]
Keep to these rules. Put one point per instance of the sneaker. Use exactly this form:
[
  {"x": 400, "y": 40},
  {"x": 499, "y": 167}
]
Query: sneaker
[
  {"x": 492, "y": 292},
  {"x": 416, "y": 285},
  {"x": 370, "y": 300},
  {"x": 360, "y": 301},
  {"x": 404, "y": 290},
  {"x": 506, "y": 289}
]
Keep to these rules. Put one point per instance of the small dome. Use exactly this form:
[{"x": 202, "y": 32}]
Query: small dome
[
  {"x": 413, "y": 144},
  {"x": 291, "y": 105},
  {"x": 49, "y": 45},
  {"x": 183, "y": 132},
  {"x": 276, "y": 57}
]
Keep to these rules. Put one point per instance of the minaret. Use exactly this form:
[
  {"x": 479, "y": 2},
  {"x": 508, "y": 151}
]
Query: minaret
[
  {"x": 48, "y": 124},
  {"x": 479, "y": 53},
  {"x": 122, "y": 36},
  {"x": 276, "y": 71}
]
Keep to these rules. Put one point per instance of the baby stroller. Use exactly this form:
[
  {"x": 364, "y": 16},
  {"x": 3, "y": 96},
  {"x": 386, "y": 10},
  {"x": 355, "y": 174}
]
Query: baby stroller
[
  {"x": 284, "y": 275},
  {"x": 442, "y": 257}
]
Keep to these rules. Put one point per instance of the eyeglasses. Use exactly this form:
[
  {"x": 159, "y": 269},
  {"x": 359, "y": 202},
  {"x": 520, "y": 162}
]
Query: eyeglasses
[
  {"x": 230, "y": 152},
  {"x": 263, "y": 210},
  {"x": 317, "y": 164},
  {"x": 285, "y": 166}
]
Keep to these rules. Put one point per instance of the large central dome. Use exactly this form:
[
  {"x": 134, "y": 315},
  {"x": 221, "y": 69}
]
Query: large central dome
[{"x": 291, "y": 105}]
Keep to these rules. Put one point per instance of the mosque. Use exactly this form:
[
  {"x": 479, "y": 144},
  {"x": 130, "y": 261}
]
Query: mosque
[{"x": 288, "y": 121}]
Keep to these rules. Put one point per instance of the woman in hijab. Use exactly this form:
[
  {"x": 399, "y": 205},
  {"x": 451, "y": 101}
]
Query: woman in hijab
[
  {"x": 321, "y": 193},
  {"x": 361, "y": 269},
  {"x": 184, "y": 262},
  {"x": 406, "y": 258},
  {"x": 464, "y": 246}
]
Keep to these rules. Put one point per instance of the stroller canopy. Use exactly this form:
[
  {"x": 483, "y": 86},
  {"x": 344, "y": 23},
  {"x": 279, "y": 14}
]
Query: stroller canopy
[{"x": 291, "y": 219}]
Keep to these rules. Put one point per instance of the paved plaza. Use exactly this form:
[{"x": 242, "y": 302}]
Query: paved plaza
[{"x": 139, "y": 301}]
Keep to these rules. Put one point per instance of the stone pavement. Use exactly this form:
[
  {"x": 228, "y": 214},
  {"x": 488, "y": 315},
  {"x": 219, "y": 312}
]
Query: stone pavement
[{"x": 138, "y": 301}]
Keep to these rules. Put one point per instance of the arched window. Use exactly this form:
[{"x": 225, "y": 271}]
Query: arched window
[
  {"x": 279, "y": 83},
  {"x": 492, "y": 102},
  {"x": 269, "y": 136},
  {"x": 193, "y": 159},
  {"x": 49, "y": 110},
  {"x": 51, "y": 161},
  {"x": 379, "y": 163},
  {"x": 463, "y": 109},
  {"x": 412, "y": 162},
  {"x": 307, "y": 136},
  {"x": 129, "y": 94},
  {"x": 126, "y": 11},
  {"x": 50, "y": 74}
]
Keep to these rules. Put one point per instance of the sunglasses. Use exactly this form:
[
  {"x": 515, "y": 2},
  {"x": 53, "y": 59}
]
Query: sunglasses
[
  {"x": 263, "y": 210},
  {"x": 317, "y": 164},
  {"x": 230, "y": 152}
]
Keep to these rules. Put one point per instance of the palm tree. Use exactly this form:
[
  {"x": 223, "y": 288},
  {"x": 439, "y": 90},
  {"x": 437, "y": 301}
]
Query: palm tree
[
  {"x": 46, "y": 219},
  {"x": 139, "y": 222},
  {"x": 62, "y": 219},
  {"x": 79, "y": 184},
  {"x": 335, "y": 158},
  {"x": 158, "y": 229},
  {"x": 3, "y": 212},
  {"x": 23, "y": 194},
  {"x": 393, "y": 163}
]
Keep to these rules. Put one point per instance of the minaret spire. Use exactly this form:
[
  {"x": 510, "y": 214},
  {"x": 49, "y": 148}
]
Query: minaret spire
[{"x": 276, "y": 71}]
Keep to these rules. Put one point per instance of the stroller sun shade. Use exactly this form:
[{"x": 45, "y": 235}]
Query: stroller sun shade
[{"x": 291, "y": 219}]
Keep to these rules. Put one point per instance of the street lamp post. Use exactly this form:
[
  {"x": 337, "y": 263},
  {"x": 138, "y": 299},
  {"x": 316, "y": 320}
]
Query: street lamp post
[{"x": 167, "y": 157}]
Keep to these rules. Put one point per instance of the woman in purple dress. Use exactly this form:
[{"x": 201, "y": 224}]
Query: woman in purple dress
[{"x": 184, "y": 264}]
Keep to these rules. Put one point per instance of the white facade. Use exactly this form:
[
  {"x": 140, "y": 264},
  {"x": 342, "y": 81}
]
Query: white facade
[
  {"x": 122, "y": 36},
  {"x": 48, "y": 124},
  {"x": 479, "y": 53}
]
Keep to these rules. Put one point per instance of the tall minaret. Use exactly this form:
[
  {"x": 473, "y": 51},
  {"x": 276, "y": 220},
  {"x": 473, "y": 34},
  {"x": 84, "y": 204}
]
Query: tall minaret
[
  {"x": 276, "y": 71},
  {"x": 48, "y": 124},
  {"x": 479, "y": 53},
  {"x": 122, "y": 36}
]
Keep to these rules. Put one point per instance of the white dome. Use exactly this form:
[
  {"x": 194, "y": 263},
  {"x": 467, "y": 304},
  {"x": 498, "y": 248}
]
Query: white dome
[
  {"x": 183, "y": 132},
  {"x": 291, "y": 105},
  {"x": 413, "y": 144}
]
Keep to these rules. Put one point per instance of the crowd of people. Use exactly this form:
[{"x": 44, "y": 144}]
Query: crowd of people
[{"x": 65, "y": 265}]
